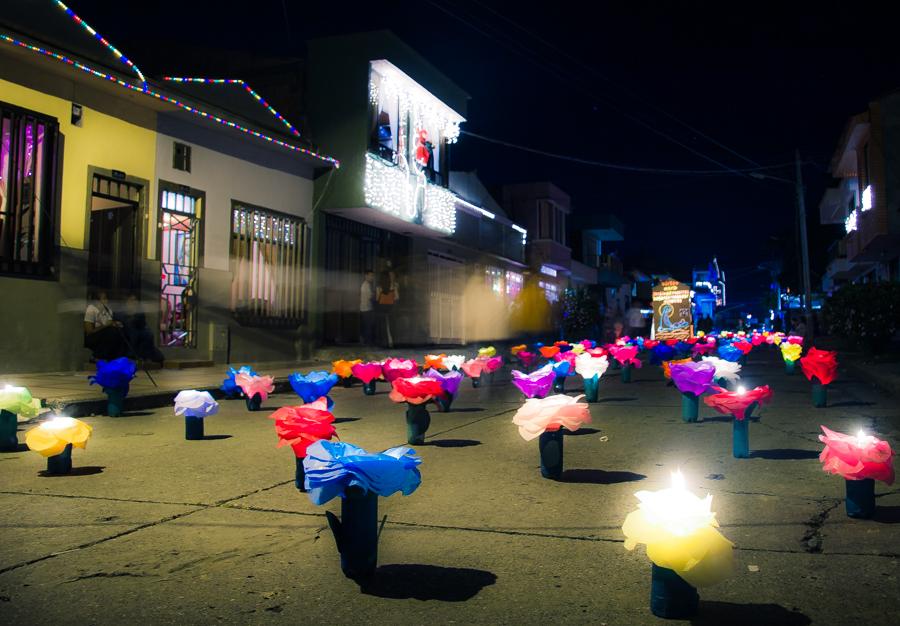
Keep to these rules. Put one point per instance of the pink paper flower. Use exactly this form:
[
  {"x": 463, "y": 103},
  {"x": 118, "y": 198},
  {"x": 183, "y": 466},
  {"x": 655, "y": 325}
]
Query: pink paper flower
[
  {"x": 857, "y": 458},
  {"x": 493, "y": 364},
  {"x": 567, "y": 356},
  {"x": 703, "y": 347},
  {"x": 473, "y": 368},
  {"x": 252, "y": 385},
  {"x": 549, "y": 414},
  {"x": 367, "y": 372},
  {"x": 626, "y": 355},
  {"x": 392, "y": 369},
  {"x": 735, "y": 403}
]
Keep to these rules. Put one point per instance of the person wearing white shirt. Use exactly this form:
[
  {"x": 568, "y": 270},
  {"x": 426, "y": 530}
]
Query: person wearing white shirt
[
  {"x": 367, "y": 309},
  {"x": 102, "y": 334}
]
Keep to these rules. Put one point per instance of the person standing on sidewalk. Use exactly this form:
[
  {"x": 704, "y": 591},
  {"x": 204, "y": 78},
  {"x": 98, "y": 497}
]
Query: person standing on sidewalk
[
  {"x": 367, "y": 309},
  {"x": 635, "y": 319},
  {"x": 387, "y": 295}
]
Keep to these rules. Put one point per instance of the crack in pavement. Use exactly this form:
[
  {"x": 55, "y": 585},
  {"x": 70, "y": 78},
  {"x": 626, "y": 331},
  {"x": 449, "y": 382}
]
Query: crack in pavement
[
  {"x": 812, "y": 539},
  {"x": 104, "y": 498},
  {"x": 480, "y": 419}
]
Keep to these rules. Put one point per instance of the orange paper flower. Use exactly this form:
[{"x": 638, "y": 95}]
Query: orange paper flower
[
  {"x": 344, "y": 369},
  {"x": 435, "y": 361}
]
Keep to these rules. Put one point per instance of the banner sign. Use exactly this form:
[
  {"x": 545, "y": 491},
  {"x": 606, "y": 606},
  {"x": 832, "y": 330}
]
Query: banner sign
[{"x": 672, "y": 311}]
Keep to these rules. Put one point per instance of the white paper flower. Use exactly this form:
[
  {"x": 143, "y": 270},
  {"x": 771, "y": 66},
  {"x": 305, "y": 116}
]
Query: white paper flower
[
  {"x": 725, "y": 369},
  {"x": 193, "y": 403},
  {"x": 454, "y": 361},
  {"x": 589, "y": 366}
]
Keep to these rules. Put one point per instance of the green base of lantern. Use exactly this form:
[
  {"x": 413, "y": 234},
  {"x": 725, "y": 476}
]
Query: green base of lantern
[
  {"x": 626, "y": 373},
  {"x": 9, "y": 425},
  {"x": 417, "y": 422},
  {"x": 356, "y": 533},
  {"x": 740, "y": 438},
  {"x": 443, "y": 403},
  {"x": 819, "y": 395},
  {"x": 860, "y": 501},
  {"x": 550, "y": 445},
  {"x": 591, "y": 387},
  {"x": 193, "y": 428},
  {"x": 559, "y": 384},
  {"x": 690, "y": 407},
  {"x": 369, "y": 388},
  {"x": 790, "y": 367},
  {"x": 476, "y": 382},
  {"x": 671, "y": 597},
  {"x": 60, "y": 463},
  {"x": 254, "y": 403},
  {"x": 115, "y": 400},
  {"x": 300, "y": 474}
]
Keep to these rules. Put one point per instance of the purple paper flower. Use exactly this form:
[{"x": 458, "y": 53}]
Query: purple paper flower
[
  {"x": 692, "y": 377},
  {"x": 534, "y": 385},
  {"x": 449, "y": 381}
]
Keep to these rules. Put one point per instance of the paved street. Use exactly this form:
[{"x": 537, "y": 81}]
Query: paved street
[{"x": 151, "y": 528}]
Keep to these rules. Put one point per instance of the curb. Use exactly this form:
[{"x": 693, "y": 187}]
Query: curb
[{"x": 885, "y": 382}]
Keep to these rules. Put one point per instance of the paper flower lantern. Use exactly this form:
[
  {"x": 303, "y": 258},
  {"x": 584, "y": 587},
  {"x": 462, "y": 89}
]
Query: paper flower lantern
[
  {"x": 193, "y": 403},
  {"x": 301, "y": 426},
  {"x": 737, "y": 403},
  {"x": 727, "y": 370},
  {"x": 534, "y": 385},
  {"x": 18, "y": 401},
  {"x": 588, "y": 344},
  {"x": 473, "y": 368},
  {"x": 435, "y": 361},
  {"x": 312, "y": 386},
  {"x": 487, "y": 352},
  {"x": 702, "y": 347},
  {"x": 493, "y": 364},
  {"x": 454, "y": 361},
  {"x": 589, "y": 366},
  {"x": 856, "y": 458},
  {"x": 577, "y": 348},
  {"x": 661, "y": 353},
  {"x": 367, "y": 372},
  {"x": 679, "y": 530},
  {"x": 527, "y": 359},
  {"x": 744, "y": 346},
  {"x": 392, "y": 369},
  {"x": 253, "y": 386},
  {"x": 548, "y": 352},
  {"x": 334, "y": 467},
  {"x": 517, "y": 349},
  {"x": 343, "y": 368},
  {"x": 791, "y": 352},
  {"x": 667, "y": 366},
  {"x": 415, "y": 390},
  {"x": 51, "y": 437},
  {"x": 449, "y": 382},
  {"x": 692, "y": 377},
  {"x": 819, "y": 364},
  {"x": 649, "y": 344},
  {"x": 115, "y": 374},
  {"x": 569, "y": 356},
  {"x": 794, "y": 339},
  {"x": 729, "y": 352},
  {"x": 550, "y": 414},
  {"x": 229, "y": 386}
]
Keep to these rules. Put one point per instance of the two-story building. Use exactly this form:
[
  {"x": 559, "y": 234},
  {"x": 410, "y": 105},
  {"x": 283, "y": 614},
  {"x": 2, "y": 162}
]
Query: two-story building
[
  {"x": 391, "y": 118},
  {"x": 192, "y": 197}
]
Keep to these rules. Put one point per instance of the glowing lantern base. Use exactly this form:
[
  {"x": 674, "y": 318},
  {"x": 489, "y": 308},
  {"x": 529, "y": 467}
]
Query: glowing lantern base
[
  {"x": 60, "y": 463},
  {"x": 550, "y": 445},
  {"x": 369, "y": 388},
  {"x": 9, "y": 423},
  {"x": 300, "y": 475},
  {"x": 626, "y": 373},
  {"x": 790, "y": 367},
  {"x": 591, "y": 386},
  {"x": 115, "y": 400},
  {"x": 254, "y": 403},
  {"x": 356, "y": 533},
  {"x": 860, "y": 501},
  {"x": 819, "y": 395},
  {"x": 559, "y": 384},
  {"x": 193, "y": 428},
  {"x": 417, "y": 422},
  {"x": 671, "y": 597},
  {"x": 690, "y": 407}
]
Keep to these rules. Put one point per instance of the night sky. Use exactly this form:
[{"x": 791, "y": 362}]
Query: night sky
[{"x": 609, "y": 83}]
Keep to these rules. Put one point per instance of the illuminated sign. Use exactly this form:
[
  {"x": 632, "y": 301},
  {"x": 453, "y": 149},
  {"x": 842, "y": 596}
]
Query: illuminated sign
[
  {"x": 549, "y": 271},
  {"x": 867, "y": 202},
  {"x": 672, "y": 311},
  {"x": 850, "y": 221}
]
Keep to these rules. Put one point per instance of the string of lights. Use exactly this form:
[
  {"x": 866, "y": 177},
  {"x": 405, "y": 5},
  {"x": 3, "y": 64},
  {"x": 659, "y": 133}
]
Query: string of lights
[
  {"x": 146, "y": 90},
  {"x": 245, "y": 87}
]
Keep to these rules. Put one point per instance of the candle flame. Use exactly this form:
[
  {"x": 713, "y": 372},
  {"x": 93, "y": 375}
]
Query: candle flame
[
  {"x": 861, "y": 437},
  {"x": 741, "y": 390},
  {"x": 58, "y": 422}
]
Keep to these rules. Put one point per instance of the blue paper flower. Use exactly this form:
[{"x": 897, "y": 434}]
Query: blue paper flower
[
  {"x": 332, "y": 467},
  {"x": 228, "y": 385},
  {"x": 562, "y": 368},
  {"x": 661, "y": 353},
  {"x": 639, "y": 342},
  {"x": 728, "y": 352},
  {"x": 683, "y": 349},
  {"x": 313, "y": 386},
  {"x": 115, "y": 374}
]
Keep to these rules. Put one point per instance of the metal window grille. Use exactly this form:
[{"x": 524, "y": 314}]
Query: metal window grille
[
  {"x": 270, "y": 265},
  {"x": 179, "y": 255},
  {"x": 28, "y": 211}
]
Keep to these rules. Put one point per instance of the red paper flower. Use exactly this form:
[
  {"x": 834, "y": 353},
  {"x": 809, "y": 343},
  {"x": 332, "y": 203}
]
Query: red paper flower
[
  {"x": 649, "y": 344},
  {"x": 415, "y": 390},
  {"x": 743, "y": 346},
  {"x": 399, "y": 368},
  {"x": 735, "y": 403},
  {"x": 300, "y": 426},
  {"x": 857, "y": 458},
  {"x": 560, "y": 343},
  {"x": 692, "y": 340},
  {"x": 820, "y": 364},
  {"x": 671, "y": 342}
]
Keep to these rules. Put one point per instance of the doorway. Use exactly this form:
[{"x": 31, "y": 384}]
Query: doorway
[{"x": 114, "y": 242}]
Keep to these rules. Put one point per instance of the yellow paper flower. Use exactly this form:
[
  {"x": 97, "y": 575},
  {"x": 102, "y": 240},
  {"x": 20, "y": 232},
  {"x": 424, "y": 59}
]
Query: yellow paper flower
[
  {"x": 51, "y": 437},
  {"x": 667, "y": 365},
  {"x": 487, "y": 352},
  {"x": 517, "y": 349},
  {"x": 679, "y": 530},
  {"x": 344, "y": 368},
  {"x": 18, "y": 400},
  {"x": 577, "y": 348},
  {"x": 791, "y": 351}
]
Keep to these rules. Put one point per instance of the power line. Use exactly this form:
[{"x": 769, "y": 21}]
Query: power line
[
  {"x": 570, "y": 79},
  {"x": 620, "y": 166}
]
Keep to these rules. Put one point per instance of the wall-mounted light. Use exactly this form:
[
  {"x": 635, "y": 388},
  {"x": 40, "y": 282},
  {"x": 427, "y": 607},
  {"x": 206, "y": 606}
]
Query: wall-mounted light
[{"x": 77, "y": 114}]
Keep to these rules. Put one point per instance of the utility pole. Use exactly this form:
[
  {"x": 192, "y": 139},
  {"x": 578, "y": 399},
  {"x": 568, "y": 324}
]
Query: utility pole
[{"x": 804, "y": 249}]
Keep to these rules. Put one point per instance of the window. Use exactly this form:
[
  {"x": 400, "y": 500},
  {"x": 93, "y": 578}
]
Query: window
[
  {"x": 514, "y": 282},
  {"x": 551, "y": 291},
  {"x": 181, "y": 157},
  {"x": 493, "y": 277},
  {"x": 270, "y": 263},
  {"x": 28, "y": 207},
  {"x": 181, "y": 210}
]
